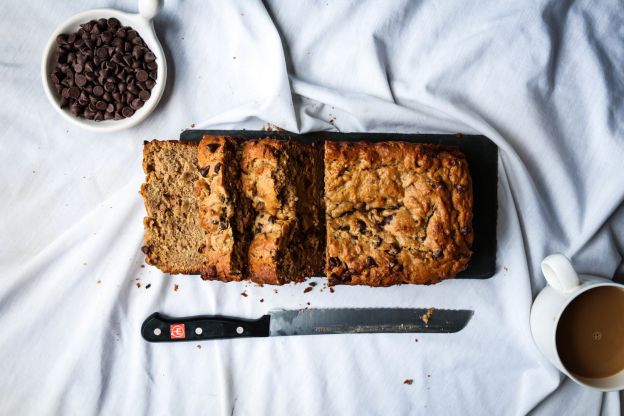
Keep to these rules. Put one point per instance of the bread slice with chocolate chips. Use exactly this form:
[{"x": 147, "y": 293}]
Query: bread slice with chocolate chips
[
  {"x": 224, "y": 211},
  {"x": 173, "y": 236},
  {"x": 396, "y": 213},
  {"x": 284, "y": 179}
]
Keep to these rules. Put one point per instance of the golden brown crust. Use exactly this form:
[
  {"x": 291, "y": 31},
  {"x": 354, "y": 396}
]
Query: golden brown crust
[
  {"x": 223, "y": 209},
  {"x": 172, "y": 233},
  {"x": 287, "y": 199},
  {"x": 396, "y": 213}
]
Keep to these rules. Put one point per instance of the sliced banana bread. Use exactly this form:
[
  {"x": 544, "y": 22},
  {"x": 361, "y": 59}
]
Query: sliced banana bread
[
  {"x": 172, "y": 233},
  {"x": 284, "y": 179},
  {"x": 224, "y": 211}
]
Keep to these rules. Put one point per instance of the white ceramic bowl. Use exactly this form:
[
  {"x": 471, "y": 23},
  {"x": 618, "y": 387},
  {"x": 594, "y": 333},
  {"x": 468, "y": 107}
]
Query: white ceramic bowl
[{"x": 142, "y": 23}]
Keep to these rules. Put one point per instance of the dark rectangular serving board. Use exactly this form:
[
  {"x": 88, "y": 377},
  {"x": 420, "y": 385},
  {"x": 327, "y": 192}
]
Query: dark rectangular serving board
[{"x": 482, "y": 156}]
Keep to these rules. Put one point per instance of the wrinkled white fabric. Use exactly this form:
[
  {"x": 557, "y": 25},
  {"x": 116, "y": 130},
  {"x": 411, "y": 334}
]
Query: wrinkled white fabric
[{"x": 544, "y": 80}]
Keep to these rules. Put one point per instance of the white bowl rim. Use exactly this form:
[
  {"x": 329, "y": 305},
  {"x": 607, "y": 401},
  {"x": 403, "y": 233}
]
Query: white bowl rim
[{"x": 146, "y": 31}]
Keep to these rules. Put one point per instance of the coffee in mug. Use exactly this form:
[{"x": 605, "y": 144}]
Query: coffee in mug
[
  {"x": 577, "y": 322},
  {"x": 590, "y": 334}
]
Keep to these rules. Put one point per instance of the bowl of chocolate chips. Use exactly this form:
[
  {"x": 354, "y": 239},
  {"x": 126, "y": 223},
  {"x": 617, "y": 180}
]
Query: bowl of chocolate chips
[{"x": 104, "y": 69}]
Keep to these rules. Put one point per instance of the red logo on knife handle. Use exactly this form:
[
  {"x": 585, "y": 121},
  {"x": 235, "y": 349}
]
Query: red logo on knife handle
[{"x": 177, "y": 331}]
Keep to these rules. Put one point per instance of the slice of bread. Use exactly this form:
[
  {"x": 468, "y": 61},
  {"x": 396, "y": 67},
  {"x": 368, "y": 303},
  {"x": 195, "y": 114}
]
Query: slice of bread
[
  {"x": 284, "y": 179},
  {"x": 224, "y": 211},
  {"x": 173, "y": 237}
]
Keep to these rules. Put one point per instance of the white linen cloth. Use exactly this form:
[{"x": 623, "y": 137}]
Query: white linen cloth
[{"x": 544, "y": 80}]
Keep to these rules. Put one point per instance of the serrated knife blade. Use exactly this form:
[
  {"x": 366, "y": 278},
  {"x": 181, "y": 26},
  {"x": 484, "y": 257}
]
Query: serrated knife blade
[{"x": 161, "y": 328}]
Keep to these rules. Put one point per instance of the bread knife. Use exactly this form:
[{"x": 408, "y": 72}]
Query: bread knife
[{"x": 161, "y": 328}]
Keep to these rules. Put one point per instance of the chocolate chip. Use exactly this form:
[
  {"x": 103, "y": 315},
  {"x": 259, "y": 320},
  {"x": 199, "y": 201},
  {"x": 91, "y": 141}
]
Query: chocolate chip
[
  {"x": 107, "y": 36},
  {"x": 272, "y": 219},
  {"x": 102, "y": 53},
  {"x": 438, "y": 254},
  {"x": 127, "y": 112},
  {"x": 217, "y": 168},
  {"x": 109, "y": 86},
  {"x": 344, "y": 227},
  {"x": 361, "y": 226},
  {"x": 113, "y": 23},
  {"x": 74, "y": 92},
  {"x": 136, "y": 103},
  {"x": 213, "y": 147},
  {"x": 334, "y": 262},
  {"x": 223, "y": 225},
  {"x": 259, "y": 228},
  {"x": 395, "y": 248},
  {"x": 210, "y": 272},
  {"x": 144, "y": 95},
  {"x": 387, "y": 220},
  {"x": 80, "y": 80},
  {"x": 345, "y": 277},
  {"x": 377, "y": 242},
  {"x": 142, "y": 76},
  {"x": 260, "y": 206},
  {"x": 204, "y": 171},
  {"x": 146, "y": 249},
  {"x": 370, "y": 262},
  {"x": 394, "y": 266}
]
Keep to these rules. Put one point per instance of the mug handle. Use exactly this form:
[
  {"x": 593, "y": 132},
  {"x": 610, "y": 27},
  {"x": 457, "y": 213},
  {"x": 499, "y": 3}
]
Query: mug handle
[{"x": 559, "y": 273}]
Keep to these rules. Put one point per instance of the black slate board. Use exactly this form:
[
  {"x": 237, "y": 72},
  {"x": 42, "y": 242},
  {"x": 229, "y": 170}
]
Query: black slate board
[{"x": 482, "y": 156}]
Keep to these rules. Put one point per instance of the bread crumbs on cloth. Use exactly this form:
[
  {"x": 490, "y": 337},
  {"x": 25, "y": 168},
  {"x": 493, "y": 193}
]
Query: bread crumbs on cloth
[
  {"x": 243, "y": 293},
  {"x": 427, "y": 315},
  {"x": 307, "y": 289},
  {"x": 138, "y": 285},
  {"x": 175, "y": 287},
  {"x": 409, "y": 381}
]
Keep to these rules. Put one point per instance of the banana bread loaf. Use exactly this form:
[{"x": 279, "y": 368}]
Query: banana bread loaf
[
  {"x": 224, "y": 211},
  {"x": 172, "y": 232},
  {"x": 284, "y": 179},
  {"x": 396, "y": 213}
]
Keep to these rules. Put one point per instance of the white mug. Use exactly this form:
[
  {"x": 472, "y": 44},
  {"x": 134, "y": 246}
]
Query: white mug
[{"x": 564, "y": 285}]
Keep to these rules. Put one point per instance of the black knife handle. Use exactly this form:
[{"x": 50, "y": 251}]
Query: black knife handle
[{"x": 161, "y": 328}]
